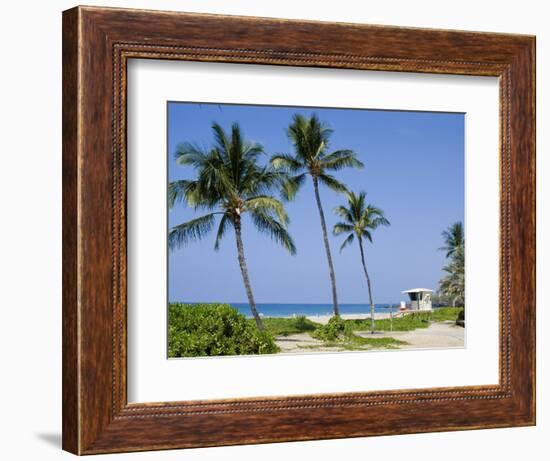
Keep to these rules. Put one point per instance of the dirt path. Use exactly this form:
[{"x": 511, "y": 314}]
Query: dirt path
[
  {"x": 437, "y": 335},
  {"x": 300, "y": 343}
]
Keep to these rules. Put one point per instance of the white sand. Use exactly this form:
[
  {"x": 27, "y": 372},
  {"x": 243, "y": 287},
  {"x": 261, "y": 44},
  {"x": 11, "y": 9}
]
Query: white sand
[{"x": 437, "y": 335}]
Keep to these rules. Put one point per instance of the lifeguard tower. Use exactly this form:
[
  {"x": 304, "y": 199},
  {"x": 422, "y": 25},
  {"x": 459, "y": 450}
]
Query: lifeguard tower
[{"x": 421, "y": 299}]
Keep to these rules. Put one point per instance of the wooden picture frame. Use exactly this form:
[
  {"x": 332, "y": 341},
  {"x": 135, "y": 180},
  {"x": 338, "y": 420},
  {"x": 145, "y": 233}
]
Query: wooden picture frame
[{"x": 97, "y": 42}]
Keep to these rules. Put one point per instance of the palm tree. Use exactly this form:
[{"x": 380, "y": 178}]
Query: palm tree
[
  {"x": 229, "y": 183},
  {"x": 360, "y": 219},
  {"x": 452, "y": 285},
  {"x": 453, "y": 237},
  {"x": 310, "y": 139}
]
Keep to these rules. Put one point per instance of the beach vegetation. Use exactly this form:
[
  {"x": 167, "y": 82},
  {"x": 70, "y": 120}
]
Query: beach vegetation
[
  {"x": 442, "y": 314},
  {"x": 333, "y": 330},
  {"x": 359, "y": 221},
  {"x": 360, "y": 343},
  {"x": 285, "y": 326},
  {"x": 229, "y": 183},
  {"x": 196, "y": 330},
  {"x": 453, "y": 238},
  {"x": 453, "y": 284},
  {"x": 408, "y": 322},
  {"x": 341, "y": 333},
  {"x": 312, "y": 157}
]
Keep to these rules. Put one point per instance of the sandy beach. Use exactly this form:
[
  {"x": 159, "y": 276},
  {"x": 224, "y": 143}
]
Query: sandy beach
[
  {"x": 445, "y": 334},
  {"x": 438, "y": 335}
]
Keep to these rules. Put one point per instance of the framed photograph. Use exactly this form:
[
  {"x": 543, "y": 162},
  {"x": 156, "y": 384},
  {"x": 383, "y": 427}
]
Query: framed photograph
[{"x": 284, "y": 230}]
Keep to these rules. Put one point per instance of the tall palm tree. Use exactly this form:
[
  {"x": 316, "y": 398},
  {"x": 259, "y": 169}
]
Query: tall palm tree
[
  {"x": 453, "y": 238},
  {"x": 452, "y": 285},
  {"x": 359, "y": 220},
  {"x": 310, "y": 139},
  {"x": 229, "y": 183}
]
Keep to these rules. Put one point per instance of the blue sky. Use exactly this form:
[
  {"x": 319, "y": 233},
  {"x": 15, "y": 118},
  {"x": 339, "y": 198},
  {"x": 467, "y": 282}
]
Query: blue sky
[{"x": 414, "y": 171}]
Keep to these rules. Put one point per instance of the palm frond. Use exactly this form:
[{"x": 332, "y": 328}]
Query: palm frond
[
  {"x": 332, "y": 183},
  {"x": 221, "y": 140},
  {"x": 340, "y": 228},
  {"x": 453, "y": 283},
  {"x": 189, "y": 154},
  {"x": 338, "y": 154},
  {"x": 367, "y": 234},
  {"x": 180, "y": 190},
  {"x": 268, "y": 205},
  {"x": 371, "y": 211},
  {"x": 291, "y": 185},
  {"x": 236, "y": 154},
  {"x": 348, "y": 241},
  {"x": 252, "y": 150},
  {"x": 270, "y": 226},
  {"x": 309, "y": 136},
  {"x": 344, "y": 213},
  {"x": 374, "y": 217},
  {"x": 453, "y": 238},
  {"x": 215, "y": 179},
  {"x": 356, "y": 204},
  {"x": 381, "y": 221},
  {"x": 318, "y": 136},
  {"x": 222, "y": 228},
  {"x": 297, "y": 133},
  {"x": 194, "y": 229},
  {"x": 259, "y": 180},
  {"x": 286, "y": 163},
  {"x": 340, "y": 159}
]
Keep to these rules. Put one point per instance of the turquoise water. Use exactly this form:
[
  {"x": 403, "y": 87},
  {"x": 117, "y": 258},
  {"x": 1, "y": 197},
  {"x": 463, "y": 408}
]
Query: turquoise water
[{"x": 288, "y": 310}]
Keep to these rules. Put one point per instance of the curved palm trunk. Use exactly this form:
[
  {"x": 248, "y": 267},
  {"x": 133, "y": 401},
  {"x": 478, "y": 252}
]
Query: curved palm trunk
[
  {"x": 360, "y": 240},
  {"x": 244, "y": 272},
  {"x": 327, "y": 247}
]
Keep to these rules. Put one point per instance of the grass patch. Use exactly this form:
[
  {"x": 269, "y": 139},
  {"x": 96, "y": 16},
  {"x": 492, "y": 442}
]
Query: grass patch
[
  {"x": 340, "y": 333},
  {"x": 279, "y": 326},
  {"x": 442, "y": 314},
  {"x": 357, "y": 343},
  {"x": 408, "y": 322},
  {"x": 377, "y": 342}
]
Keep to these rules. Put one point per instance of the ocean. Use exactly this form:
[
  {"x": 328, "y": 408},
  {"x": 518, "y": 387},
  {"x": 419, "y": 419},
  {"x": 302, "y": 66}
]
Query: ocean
[{"x": 288, "y": 310}]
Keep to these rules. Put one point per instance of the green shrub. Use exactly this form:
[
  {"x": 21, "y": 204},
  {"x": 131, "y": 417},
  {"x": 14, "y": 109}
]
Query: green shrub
[
  {"x": 302, "y": 323},
  {"x": 284, "y": 326},
  {"x": 196, "y": 330},
  {"x": 332, "y": 331},
  {"x": 339, "y": 333},
  {"x": 336, "y": 329}
]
